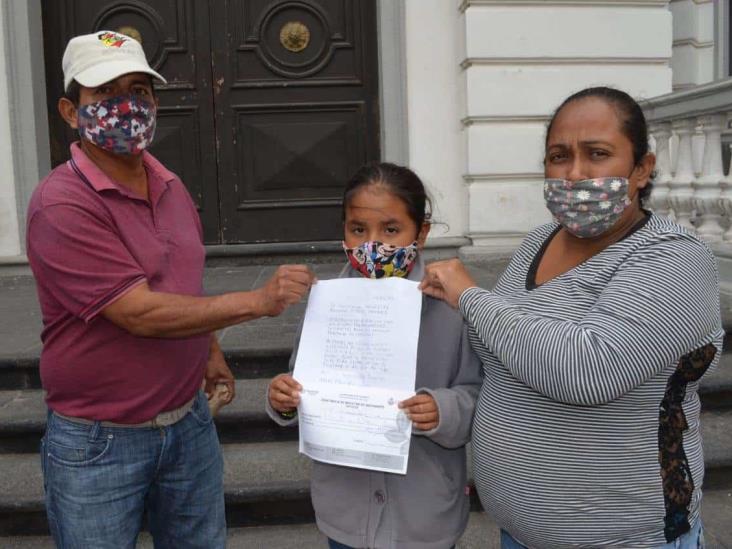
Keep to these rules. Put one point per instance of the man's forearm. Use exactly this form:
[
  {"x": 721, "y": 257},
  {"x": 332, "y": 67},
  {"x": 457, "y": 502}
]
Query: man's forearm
[
  {"x": 158, "y": 314},
  {"x": 145, "y": 313}
]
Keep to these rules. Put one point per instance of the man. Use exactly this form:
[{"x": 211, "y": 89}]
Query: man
[{"x": 115, "y": 245}]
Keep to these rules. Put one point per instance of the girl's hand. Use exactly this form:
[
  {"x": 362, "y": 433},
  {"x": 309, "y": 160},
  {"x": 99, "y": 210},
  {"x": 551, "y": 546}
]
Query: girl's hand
[
  {"x": 422, "y": 410},
  {"x": 446, "y": 280},
  {"x": 284, "y": 393}
]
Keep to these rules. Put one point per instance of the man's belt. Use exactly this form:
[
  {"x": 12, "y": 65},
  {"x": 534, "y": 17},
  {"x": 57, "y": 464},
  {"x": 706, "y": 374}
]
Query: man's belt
[{"x": 163, "y": 419}]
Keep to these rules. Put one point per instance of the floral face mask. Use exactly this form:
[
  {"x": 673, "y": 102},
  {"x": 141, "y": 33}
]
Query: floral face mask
[
  {"x": 378, "y": 260},
  {"x": 589, "y": 207},
  {"x": 121, "y": 125}
]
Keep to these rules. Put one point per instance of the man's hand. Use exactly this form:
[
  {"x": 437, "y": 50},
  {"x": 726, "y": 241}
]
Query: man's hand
[
  {"x": 446, "y": 280},
  {"x": 422, "y": 410},
  {"x": 286, "y": 287},
  {"x": 217, "y": 372},
  {"x": 284, "y": 393}
]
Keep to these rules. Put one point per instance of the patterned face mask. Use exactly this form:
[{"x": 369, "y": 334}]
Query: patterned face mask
[
  {"x": 121, "y": 125},
  {"x": 378, "y": 260},
  {"x": 589, "y": 207}
]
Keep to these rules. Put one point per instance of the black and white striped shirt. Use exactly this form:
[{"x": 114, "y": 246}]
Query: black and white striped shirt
[{"x": 589, "y": 379}]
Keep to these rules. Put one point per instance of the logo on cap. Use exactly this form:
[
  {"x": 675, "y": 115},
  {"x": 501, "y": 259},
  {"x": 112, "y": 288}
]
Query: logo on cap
[{"x": 112, "y": 39}]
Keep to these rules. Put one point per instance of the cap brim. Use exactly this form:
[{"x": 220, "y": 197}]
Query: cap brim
[{"x": 96, "y": 76}]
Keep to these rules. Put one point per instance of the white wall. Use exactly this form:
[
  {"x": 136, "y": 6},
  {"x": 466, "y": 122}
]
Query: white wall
[
  {"x": 521, "y": 59},
  {"x": 436, "y": 103},
  {"x": 482, "y": 77},
  {"x": 9, "y": 233},
  {"x": 693, "y": 59}
]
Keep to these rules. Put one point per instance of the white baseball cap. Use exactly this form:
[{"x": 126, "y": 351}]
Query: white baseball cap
[{"x": 93, "y": 59}]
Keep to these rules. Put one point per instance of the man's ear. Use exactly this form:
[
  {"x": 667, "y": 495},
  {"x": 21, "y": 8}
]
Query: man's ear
[
  {"x": 422, "y": 235},
  {"x": 68, "y": 112}
]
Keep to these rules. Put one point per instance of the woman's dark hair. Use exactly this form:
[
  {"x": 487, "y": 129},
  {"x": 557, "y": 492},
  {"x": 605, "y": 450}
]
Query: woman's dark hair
[
  {"x": 632, "y": 122},
  {"x": 400, "y": 181},
  {"x": 73, "y": 94}
]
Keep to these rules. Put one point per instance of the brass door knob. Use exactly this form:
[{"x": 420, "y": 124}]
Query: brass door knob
[
  {"x": 294, "y": 36},
  {"x": 132, "y": 32}
]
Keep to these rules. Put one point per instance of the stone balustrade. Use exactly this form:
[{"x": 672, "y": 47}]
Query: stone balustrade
[{"x": 691, "y": 186}]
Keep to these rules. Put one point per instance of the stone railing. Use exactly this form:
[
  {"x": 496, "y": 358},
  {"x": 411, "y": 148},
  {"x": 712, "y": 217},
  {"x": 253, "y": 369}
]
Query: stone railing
[{"x": 688, "y": 128}]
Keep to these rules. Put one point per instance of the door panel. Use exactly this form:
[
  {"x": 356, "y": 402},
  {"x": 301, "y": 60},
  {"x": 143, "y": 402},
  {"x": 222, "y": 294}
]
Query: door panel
[
  {"x": 296, "y": 112},
  {"x": 174, "y": 35},
  {"x": 270, "y": 105}
]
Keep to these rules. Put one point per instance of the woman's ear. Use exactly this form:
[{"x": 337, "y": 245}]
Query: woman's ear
[
  {"x": 68, "y": 112},
  {"x": 642, "y": 172},
  {"x": 422, "y": 235}
]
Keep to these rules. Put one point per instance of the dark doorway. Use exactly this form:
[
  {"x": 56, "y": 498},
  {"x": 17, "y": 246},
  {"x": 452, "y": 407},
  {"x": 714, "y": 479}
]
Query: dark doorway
[{"x": 270, "y": 104}]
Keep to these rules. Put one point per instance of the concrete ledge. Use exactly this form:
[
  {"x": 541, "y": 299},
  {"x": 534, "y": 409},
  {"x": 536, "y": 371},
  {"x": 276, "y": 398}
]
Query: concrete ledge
[{"x": 481, "y": 533}]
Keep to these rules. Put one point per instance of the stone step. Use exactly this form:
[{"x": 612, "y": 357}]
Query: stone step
[
  {"x": 23, "y": 418},
  {"x": 265, "y": 483},
  {"x": 261, "y": 349},
  {"x": 254, "y": 349},
  {"x": 23, "y": 415},
  {"x": 715, "y": 389},
  {"x": 481, "y": 533}
]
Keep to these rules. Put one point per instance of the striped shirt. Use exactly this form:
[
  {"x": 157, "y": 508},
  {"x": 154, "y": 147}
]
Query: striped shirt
[{"x": 590, "y": 390}]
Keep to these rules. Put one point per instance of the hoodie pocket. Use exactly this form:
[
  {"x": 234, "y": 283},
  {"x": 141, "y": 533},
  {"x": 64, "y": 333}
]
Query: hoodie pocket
[{"x": 340, "y": 497}]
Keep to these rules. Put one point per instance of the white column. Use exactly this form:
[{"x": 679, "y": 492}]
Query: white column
[
  {"x": 435, "y": 100},
  {"x": 725, "y": 199},
  {"x": 9, "y": 230},
  {"x": 681, "y": 193},
  {"x": 693, "y": 42},
  {"x": 706, "y": 187},
  {"x": 659, "y": 197},
  {"x": 518, "y": 69}
]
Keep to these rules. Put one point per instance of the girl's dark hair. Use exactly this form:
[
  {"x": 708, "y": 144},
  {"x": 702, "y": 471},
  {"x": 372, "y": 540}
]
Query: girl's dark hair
[
  {"x": 400, "y": 181},
  {"x": 632, "y": 122}
]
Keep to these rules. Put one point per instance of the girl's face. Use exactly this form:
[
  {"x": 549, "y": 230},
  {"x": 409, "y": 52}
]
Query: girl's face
[{"x": 374, "y": 213}]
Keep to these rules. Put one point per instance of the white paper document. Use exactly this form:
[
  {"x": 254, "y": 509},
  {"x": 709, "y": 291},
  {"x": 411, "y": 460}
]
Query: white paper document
[{"x": 356, "y": 360}]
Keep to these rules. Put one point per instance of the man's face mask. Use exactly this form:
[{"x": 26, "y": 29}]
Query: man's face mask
[
  {"x": 121, "y": 125},
  {"x": 378, "y": 260}
]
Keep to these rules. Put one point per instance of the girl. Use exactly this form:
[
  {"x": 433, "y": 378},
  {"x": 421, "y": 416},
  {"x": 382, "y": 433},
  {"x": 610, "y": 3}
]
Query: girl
[{"x": 386, "y": 224}]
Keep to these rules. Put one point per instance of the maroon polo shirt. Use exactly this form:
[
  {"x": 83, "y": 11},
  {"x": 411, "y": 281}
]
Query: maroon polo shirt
[{"x": 89, "y": 242}]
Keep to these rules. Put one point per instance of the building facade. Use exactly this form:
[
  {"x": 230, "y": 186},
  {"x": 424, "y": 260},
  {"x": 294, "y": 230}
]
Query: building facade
[{"x": 459, "y": 91}]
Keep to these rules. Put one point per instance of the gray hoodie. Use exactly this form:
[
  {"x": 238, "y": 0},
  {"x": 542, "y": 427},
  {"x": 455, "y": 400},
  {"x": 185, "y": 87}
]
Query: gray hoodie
[{"x": 428, "y": 507}]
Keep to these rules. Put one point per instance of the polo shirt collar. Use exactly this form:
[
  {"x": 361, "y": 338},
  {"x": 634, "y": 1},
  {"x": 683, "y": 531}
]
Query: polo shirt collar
[{"x": 158, "y": 176}]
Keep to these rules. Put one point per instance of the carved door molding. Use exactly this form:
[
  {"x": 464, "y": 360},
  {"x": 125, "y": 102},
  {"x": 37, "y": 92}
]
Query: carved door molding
[{"x": 269, "y": 108}]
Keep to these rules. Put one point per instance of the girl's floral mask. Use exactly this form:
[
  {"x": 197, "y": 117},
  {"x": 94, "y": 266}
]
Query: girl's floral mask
[
  {"x": 378, "y": 260},
  {"x": 589, "y": 207},
  {"x": 121, "y": 125}
]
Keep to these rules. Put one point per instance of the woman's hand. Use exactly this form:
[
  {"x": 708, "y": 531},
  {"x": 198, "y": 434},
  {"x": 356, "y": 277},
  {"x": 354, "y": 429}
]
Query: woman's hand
[
  {"x": 446, "y": 280},
  {"x": 284, "y": 393},
  {"x": 422, "y": 410}
]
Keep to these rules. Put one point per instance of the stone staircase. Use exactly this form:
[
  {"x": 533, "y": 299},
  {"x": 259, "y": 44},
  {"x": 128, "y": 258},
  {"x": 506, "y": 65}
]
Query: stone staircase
[{"x": 266, "y": 481}]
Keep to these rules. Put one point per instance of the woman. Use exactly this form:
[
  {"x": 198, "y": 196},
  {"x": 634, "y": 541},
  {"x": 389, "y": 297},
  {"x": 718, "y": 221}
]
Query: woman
[{"x": 593, "y": 341}]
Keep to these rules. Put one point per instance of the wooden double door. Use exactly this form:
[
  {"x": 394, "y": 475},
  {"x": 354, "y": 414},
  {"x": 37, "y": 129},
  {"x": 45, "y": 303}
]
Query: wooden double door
[{"x": 270, "y": 105}]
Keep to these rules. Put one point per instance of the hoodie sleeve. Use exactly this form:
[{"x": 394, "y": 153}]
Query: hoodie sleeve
[
  {"x": 456, "y": 403},
  {"x": 271, "y": 412}
]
